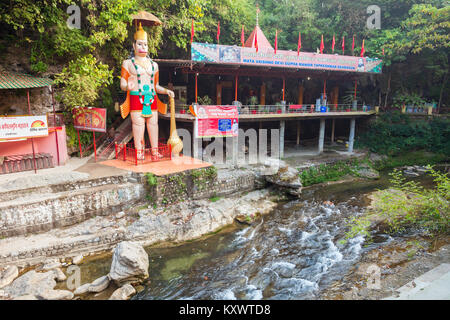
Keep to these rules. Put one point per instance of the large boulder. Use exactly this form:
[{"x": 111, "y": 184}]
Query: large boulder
[
  {"x": 31, "y": 283},
  {"x": 129, "y": 263},
  {"x": 282, "y": 175}
]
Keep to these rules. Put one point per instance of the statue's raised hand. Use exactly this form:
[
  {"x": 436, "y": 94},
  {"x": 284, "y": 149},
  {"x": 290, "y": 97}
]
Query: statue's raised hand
[{"x": 131, "y": 85}]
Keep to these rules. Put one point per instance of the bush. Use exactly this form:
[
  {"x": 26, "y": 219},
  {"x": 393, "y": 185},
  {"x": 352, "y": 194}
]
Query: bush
[
  {"x": 395, "y": 133},
  {"x": 408, "y": 205},
  {"x": 328, "y": 172}
]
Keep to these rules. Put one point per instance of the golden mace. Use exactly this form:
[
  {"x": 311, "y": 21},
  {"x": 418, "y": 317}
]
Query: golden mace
[{"x": 174, "y": 140}]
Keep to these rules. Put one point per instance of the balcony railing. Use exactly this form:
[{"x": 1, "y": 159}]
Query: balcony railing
[{"x": 289, "y": 109}]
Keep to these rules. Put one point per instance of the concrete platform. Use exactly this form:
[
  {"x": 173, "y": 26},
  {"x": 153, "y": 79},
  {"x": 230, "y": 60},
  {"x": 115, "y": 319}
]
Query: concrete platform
[
  {"x": 432, "y": 285},
  {"x": 160, "y": 168}
]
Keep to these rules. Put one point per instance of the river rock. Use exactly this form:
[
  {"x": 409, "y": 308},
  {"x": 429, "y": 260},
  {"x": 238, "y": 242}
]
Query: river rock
[
  {"x": 368, "y": 173},
  {"x": 129, "y": 263},
  {"x": 99, "y": 284},
  {"x": 56, "y": 295},
  {"x": 50, "y": 265},
  {"x": 77, "y": 260},
  {"x": 287, "y": 178},
  {"x": 83, "y": 289},
  {"x": 31, "y": 283},
  {"x": 123, "y": 293},
  {"x": 59, "y": 275},
  {"x": 8, "y": 275}
]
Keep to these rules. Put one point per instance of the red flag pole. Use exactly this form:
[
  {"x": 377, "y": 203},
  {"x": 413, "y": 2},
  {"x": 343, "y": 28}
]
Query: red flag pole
[
  {"x": 32, "y": 140},
  {"x": 218, "y": 32},
  {"x": 299, "y": 46},
  {"x": 322, "y": 46},
  {"x": 363, "y": 50},
  {"x": 353, "y": 46},
  {"x": 196, "y": 100},
  {"x": 242, "y": 36},
  {"x": 276, "y": 41},
  {"x": 236, "y": 89},
  {"x": 343, "y": 45}
]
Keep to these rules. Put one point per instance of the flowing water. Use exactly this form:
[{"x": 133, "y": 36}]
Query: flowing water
[{"x": 292, "y": 253}]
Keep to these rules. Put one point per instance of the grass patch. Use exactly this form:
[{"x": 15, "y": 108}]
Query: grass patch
[{"x": 330, "y": 172}]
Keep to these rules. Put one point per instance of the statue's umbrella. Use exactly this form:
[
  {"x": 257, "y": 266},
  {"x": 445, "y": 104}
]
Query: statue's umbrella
[{"x": 146, "y": 18}]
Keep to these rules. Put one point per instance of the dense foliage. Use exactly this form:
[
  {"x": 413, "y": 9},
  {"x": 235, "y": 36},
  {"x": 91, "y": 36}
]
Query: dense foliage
[
  {"x": 414, "y": 34},
  {"x": 395, "y": 133}
]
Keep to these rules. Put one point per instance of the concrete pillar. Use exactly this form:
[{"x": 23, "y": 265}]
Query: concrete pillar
[
  {"x": 298, "y": 132},
  {"x": 321, "y": 135},
  {"x": 351, "y": 138},
  {"x": 282, "y": 129},
  {"x": 333, "y": 125}
]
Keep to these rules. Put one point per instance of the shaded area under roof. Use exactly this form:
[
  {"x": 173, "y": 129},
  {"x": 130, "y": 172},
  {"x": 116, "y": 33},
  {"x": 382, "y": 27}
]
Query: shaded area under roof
[{"x": 12, "y": 80}]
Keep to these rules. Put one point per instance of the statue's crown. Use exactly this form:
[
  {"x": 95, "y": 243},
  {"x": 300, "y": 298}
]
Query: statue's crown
[{"x": 140, "y": 33}]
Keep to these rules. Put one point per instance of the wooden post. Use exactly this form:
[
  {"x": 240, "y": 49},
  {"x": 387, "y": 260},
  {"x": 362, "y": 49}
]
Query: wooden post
[
  {"x": 219, "y": 94},
  {"x": 301, "y": 90},
  {"x": 196, "y": 90},
  {"x": 356, "y": 86},
  {"x": 284, "y": 87},
  {"x": 262, "y": 99}
]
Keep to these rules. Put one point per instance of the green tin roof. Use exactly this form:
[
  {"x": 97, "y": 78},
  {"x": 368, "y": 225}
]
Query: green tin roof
[{"x": 10, "y": 80}]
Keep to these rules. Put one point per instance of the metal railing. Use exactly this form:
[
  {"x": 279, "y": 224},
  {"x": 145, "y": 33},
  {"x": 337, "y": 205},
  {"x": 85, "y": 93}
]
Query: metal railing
[{"x": 281, "y": 109}]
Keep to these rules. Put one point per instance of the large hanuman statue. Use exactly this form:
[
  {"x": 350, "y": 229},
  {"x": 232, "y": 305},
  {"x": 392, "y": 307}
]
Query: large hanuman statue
[{"x": 140, "y": 78}]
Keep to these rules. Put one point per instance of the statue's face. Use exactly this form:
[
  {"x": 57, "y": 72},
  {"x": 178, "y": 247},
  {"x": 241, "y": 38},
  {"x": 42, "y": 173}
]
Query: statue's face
[{"x": 140, "y": 48}]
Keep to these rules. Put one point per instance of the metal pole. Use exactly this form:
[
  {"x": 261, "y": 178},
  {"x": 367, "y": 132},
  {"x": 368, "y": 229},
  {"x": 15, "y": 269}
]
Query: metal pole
[
  {"x": 284, "y": 86},
  {"x": 32, "y": 140},
  {"x": 95, "y": 147},
  {"x": 79, "y": 144},
  {"x": 356, "y": 85},
  {"x": 54, "y": 122}
]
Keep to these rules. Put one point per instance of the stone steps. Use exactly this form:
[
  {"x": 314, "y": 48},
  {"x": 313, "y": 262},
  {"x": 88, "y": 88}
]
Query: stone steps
[
  {"x": 34, "y": 213},
  {"x": 67, "y": 186}
]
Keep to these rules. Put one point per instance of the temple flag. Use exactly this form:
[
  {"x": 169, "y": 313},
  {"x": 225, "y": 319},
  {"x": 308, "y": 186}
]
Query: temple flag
[
  {"x": 353, "y": 45},
  {"x": 383, "y": 51},
  {"x": 242, "y": 36},
  {"x": 322, "y": 46},
  {"x": 256, "y": 40},
  {"x": 218, "y": 32},
  {"x": 276, "y": 41},
  {"x": 343, "y": 45},
  {"x": 192, "y": 31},
  {"x": 299, "y": 46},
  {"x": 362, "y": 49},
  {"x": 333, "y": 43}
]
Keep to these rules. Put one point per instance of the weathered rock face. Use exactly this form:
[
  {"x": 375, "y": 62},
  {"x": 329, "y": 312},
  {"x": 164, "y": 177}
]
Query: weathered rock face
[
  {"x": 31, "y": 283},
  {"x": 123, "y": 293},
  {"x": 129, "y": 263},
  {"x": 8, "y": 275},
  {"x": 367, "y": 172},
  {"x": 281, "y": 174}
]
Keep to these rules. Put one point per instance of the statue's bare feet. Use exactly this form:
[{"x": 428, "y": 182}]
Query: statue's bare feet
[{"x": 156, "y": 155}]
